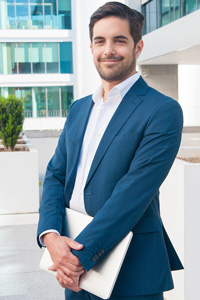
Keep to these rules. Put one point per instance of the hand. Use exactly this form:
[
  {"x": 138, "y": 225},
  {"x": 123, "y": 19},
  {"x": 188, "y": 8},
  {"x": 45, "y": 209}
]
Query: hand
[{"x": 66, "y": 264}]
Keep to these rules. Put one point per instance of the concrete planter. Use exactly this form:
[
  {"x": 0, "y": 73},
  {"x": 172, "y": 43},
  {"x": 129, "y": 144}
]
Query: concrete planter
[
  {"x": 180, "y": 210},
  {"x": 19, "y": 181}
]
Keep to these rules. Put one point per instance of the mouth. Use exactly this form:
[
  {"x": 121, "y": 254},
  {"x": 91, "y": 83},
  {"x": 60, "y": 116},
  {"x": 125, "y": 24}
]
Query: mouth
[{"x": 110, "y": 60}]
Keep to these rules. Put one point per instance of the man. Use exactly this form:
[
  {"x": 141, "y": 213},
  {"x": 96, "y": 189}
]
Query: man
[{"x": 115, "y": 151}]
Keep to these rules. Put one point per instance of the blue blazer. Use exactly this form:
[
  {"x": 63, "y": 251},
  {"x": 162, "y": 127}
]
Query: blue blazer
[{"x": 134, "y": 157}]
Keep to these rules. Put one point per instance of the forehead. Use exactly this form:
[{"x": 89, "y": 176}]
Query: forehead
[{"x": 110, "y": 27}]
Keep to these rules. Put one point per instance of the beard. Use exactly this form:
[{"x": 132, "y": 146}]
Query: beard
[{"x": 119, "y": 72}]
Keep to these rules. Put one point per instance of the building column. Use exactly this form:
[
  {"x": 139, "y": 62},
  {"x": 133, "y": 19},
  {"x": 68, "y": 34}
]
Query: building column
[{"x": 163, "y": 78}]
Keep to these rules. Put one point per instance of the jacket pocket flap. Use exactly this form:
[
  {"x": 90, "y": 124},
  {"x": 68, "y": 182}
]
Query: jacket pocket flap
[{"x": 148, "y": 225}]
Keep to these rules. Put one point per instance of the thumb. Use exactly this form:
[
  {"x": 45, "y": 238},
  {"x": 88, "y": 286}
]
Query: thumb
[
  {"x": 52, "y": 268},
  {"x": 74, "y": 245}
]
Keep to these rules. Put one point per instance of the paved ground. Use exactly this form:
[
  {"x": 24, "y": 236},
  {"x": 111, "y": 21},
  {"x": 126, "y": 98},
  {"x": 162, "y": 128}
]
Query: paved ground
[{"x": 20, "y": 276}]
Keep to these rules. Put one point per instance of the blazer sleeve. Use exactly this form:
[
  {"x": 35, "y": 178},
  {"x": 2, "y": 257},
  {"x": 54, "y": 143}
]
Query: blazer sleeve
[
  {"x": 52, "y": 207},
  {"x": 134, "y": 192}
]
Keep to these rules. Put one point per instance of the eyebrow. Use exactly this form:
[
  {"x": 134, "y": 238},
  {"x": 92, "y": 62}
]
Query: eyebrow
[{"x": 115, "y": 37}]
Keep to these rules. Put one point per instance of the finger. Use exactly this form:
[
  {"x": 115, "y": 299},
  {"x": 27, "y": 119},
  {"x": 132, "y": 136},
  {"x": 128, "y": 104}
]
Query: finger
[
  {"x": 52, "y": 268},
  {"x": 64, "y": 278},
  {"x": 74, "y": 245},
  {"x": 70, "y": 273},
  {"x": 72, "y": 259},
  {"x": 72, "y": 267}
]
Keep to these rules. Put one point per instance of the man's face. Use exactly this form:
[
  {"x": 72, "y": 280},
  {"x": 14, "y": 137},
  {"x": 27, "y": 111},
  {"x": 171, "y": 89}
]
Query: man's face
[{"x": 113, "y": 49}]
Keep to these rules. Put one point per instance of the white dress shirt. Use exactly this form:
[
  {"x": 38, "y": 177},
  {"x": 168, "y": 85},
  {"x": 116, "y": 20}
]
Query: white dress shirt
[{"x": 99, "y": 119}]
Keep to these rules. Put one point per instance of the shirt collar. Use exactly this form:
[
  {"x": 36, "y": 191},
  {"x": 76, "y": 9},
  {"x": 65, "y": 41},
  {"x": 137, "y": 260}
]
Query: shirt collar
[{"x": 120, "y": 89}]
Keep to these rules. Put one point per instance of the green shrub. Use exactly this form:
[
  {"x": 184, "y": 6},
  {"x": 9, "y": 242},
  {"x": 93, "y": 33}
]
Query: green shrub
[{"x": 11, "y": 120}]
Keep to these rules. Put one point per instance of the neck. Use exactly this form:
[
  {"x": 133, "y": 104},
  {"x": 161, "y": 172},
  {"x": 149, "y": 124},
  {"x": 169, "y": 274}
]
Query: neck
[{"x": 107, "y": 86}]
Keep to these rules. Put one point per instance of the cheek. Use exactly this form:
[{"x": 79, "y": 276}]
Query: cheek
[{"x": 96, "y": 54}]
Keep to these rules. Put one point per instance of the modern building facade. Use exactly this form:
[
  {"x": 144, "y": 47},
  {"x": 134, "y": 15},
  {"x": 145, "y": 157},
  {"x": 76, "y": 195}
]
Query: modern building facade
[
  {"x": 45, "y": 56},
  {"x": 170, "y": 60},
  {"x": 36, "y": 58}
]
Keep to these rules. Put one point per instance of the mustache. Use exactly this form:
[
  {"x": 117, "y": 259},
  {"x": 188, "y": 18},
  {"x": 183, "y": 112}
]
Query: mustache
[{"x": 117, "y": 58}]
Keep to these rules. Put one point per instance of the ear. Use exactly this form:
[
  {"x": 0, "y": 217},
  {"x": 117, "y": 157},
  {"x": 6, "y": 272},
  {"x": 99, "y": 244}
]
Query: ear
[
  {"x": 138, "y": 48},
  {"x": 91, "y": 48}
]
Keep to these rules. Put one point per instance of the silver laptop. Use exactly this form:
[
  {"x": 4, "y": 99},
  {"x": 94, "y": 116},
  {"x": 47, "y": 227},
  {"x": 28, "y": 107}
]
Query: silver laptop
[{"x": 100, "y": 280}]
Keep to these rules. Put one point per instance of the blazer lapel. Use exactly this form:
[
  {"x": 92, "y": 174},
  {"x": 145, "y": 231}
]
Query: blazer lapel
[
  {"x": 126, "y": 108},
  {"x": 80, "y": 127}
]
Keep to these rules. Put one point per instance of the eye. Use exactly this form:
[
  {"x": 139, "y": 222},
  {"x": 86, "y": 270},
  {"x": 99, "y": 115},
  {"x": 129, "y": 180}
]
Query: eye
[
  {"x": 98, "y": 42},
  {"x": 120, "y": 41}
]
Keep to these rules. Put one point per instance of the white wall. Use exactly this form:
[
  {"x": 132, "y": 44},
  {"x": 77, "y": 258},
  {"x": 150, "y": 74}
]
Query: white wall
[
  {"x": 173, "y": 38},
  {"x": 189, "y": 93},
  {"x": 49, "y": 123},
  {"x": 180, "y": 211}
]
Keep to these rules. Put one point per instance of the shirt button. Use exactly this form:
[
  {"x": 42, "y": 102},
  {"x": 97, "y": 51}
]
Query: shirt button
[{"x": 98, "y": 133}]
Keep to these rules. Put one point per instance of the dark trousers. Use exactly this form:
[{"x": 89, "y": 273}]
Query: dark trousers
[{"x": 83, "y": 295}]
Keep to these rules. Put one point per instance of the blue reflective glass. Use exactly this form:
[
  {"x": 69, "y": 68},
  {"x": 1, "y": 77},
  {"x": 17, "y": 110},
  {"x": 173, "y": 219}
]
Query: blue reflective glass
[
  {"x": 38, "y": 57},
  {"x": 10, "y": 1},
  {"x": 39, "y": 100},
  {"x": 66, "y": 58},
  {"x": 53, "y": 101},
  {"x": 174, "y": 10},
  {"x": 9, "y": 58},
  {"x": 50, "y": 12},
  {"x": 191, "y": 5},
  {"x": 23, "y": 58},
  {"x": 1, "y": 59},
  {"x": 35, "y": 1},
  {"x": 64, "y": 14},
  {"x": 25, "y": 94},
  {"x": 11, "y": 16},
  {"x": 52, "y": 57},
  {"x": 22, "y": 16},
  {"x": 22, "y": 1},
  {"x": 37, "y": 16},
  {"x": 165, "y": 16},
  {"x": 66, "y": 99}
]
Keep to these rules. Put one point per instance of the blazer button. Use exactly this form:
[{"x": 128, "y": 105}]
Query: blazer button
[
  {"x": 95, "y": 257},
  {"x": 102, "y": 250},
  {"x": 99, "y": 253}
]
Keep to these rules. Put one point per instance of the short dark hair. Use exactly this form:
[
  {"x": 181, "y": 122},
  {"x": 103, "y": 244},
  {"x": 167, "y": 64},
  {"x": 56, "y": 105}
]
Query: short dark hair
[{"x": 122, "y": 11}]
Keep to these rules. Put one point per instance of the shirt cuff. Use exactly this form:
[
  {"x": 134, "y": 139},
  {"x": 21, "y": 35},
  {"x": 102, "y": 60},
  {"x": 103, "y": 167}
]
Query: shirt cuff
[{"x": 41, "y": 236}]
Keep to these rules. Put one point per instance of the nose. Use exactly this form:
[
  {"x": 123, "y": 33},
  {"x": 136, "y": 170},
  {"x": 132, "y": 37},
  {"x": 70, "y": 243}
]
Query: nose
[{"x": 109, "y": 49}]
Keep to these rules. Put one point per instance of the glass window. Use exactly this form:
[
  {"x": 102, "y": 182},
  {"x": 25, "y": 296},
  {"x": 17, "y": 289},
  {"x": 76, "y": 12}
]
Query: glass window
[
  {"x": 11, "y": 17},
  {"x": 35, "y": 1},
  {"x": 22, "y": 16},
  {"x": 22, "y": 1},
  {"x": 23, "y": 58},
  {"x": 165, "y": 16},
  {"x": 39, "y": 102},
  {"x": 50, "y": 12},
  {"x": 53, "y": 102},
  {"x": 10, "y": 1},
  {"x": 64, "y": 14},
  {"x": 9, "y": 58},
  {"x": 52, "y": 57},
  {"x": 152, "y": 15},
  {"x": 37, "y": 18},
  {"x": 191, "y": 6},
  {"x": 66, "y": 58},
  {"x": 38, "y": 58},
  {"x": 26, "y": 95},
  {"x": 66, "y": 99}
]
